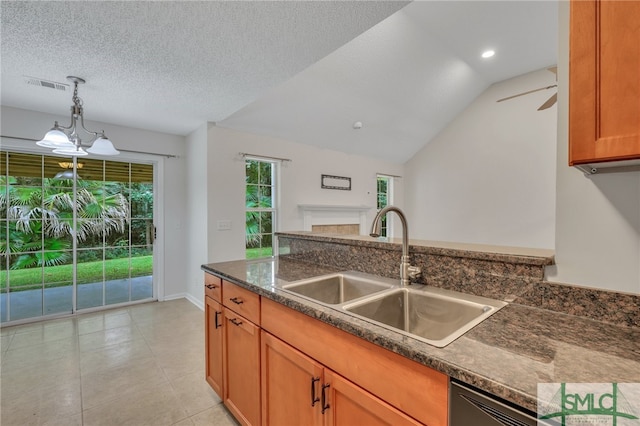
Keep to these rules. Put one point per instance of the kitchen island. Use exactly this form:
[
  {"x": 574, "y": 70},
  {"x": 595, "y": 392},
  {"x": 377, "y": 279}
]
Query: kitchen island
[{"x": 507, "y": 355}]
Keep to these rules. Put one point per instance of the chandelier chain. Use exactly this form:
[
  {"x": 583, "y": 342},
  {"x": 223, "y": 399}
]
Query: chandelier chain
[{"x": 76, "y": 99}]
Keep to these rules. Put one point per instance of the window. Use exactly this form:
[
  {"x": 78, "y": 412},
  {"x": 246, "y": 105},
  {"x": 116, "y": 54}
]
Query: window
[
  {"x": 108, "y": 207},
  {"x": 385, "y": 186},
  {"x": 260, "y": 193}
]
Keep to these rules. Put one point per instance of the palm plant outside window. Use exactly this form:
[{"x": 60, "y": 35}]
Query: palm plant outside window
[{"x": 260, "y": 178}]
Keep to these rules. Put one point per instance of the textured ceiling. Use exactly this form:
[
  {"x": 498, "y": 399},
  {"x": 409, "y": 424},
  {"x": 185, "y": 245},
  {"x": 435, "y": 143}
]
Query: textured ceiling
[
  {"x": 304, "y": 71},
  {"x": 168, "y": 66}
]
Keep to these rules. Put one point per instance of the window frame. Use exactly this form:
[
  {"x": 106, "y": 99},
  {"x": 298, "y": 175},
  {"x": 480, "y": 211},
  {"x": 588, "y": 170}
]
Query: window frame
[
  {"x": 45, "y": 162},
  {"x": 387, "y": 225},
  {"x": 273, "y": 210}
]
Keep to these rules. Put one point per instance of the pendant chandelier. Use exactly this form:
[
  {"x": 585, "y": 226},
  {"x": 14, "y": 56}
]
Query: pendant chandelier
[{"x": 66, "y": 140}]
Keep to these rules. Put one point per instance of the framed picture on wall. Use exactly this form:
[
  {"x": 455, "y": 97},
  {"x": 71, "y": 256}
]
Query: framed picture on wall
[{"x": 336, "y": 182}]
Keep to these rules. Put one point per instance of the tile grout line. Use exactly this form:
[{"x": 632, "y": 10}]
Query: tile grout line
[{"x": 77, "y": 327}]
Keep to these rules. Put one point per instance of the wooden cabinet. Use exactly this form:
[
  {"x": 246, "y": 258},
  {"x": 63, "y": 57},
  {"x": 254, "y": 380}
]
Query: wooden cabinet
[
  {"x": 604, "y": 81},
  {"x": 242, "y": 353},
  {"x": 297, "y": 390},
  {"x": 213, "y": 287},
  {"x": 409, "y": 387},
  {"x": 242, "y": 302},
  {"x": 291, "y": 385},
  {"x": 346, "y": 404},
  {"x": 242, "y": 368},
  {"x": 232, "y": 347},
  {"x": 214, "y": 338},
  {"x": 274, "y": 366}
]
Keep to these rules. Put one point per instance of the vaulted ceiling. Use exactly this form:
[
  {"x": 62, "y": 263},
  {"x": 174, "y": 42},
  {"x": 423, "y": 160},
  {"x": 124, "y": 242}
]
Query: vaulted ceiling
[{"x": 304, "y": 71}]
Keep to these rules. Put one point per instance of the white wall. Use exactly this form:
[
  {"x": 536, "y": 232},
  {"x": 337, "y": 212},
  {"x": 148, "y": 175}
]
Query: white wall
[
  {"x": 30, "y": 124},
  {"x": 597, "y": 218},
  {"x": 489, "y": 176},
  {"x": 216, "y": 190},
  {"x": 499, "y": 174},
  {"x": 300, "y": 184},
  {"x": 197, "y": 231}
]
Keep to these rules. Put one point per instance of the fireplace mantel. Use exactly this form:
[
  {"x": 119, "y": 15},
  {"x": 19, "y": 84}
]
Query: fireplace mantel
[{"x": 330, "y": 214}]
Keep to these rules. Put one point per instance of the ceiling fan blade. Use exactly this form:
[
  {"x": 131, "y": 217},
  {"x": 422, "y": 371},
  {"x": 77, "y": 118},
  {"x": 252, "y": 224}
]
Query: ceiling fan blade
[
  {"x": 552, "y": 100},
  {"x": 526, "y": 93}
]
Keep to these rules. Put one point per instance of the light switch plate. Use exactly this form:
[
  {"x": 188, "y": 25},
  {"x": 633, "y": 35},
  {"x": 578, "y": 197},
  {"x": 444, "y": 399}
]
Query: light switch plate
[{"x": 224, "y": 225}]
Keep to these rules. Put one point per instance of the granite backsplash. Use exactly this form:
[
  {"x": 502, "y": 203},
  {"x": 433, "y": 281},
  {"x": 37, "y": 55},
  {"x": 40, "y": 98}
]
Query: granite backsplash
[{"x": 515, "y": 278}]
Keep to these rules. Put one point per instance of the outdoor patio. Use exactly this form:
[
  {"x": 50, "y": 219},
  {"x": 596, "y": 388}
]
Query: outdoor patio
[{"x": 34, "y": 303}]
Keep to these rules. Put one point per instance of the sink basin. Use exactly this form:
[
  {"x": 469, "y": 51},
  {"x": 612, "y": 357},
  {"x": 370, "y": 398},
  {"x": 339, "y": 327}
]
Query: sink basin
[
  {"x": 435, "y": 316},
  {"x": 339, "y": 288}
]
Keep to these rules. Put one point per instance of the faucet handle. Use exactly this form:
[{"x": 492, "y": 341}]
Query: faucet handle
[{"x": 414, "y": 271}]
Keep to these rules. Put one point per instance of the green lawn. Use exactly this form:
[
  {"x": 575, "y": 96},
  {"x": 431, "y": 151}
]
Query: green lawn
[
  {"x": 257, "y": 253},
  {"x": 88, "y": 272}
]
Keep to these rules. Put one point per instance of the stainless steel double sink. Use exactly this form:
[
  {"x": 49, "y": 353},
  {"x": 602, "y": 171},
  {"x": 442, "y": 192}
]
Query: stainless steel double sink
[{"x": 432, "y": 315}]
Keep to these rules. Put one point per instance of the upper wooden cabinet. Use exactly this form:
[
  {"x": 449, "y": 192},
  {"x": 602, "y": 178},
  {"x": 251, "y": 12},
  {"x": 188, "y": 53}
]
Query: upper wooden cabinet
[{"x": 604, "y": 81}]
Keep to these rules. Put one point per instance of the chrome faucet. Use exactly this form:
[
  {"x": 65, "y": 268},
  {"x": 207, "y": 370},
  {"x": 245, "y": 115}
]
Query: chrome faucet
[{"x": 407, "y": 271}]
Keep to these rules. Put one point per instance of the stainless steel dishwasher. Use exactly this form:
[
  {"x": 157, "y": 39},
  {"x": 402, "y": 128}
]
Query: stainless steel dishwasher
[{"x": 470, "y": 407}]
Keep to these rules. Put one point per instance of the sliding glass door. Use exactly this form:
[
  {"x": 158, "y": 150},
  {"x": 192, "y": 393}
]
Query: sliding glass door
[{"x": 105, "y": 206}]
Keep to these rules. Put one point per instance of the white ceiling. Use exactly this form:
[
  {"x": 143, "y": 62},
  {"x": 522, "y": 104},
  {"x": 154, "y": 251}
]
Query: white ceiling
[{"x": 272, "y": 67}]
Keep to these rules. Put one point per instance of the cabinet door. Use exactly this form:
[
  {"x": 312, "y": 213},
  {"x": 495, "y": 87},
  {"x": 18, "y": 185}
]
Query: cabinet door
[
  {"x": 345, "y": 404},
  {"x": 604, "y": 81},
  {"x": 242, "y": 368},
  {"x": 291, "y": 385},
  {"x": 214, "y": 337}
]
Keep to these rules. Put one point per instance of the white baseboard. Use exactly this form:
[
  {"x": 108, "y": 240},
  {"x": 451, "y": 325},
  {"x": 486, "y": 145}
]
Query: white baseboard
[
  {"x": 198, "y": 303},
  {"x": 173, "y": 297}
]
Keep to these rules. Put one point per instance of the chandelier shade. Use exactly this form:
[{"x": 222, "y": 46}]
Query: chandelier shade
[
  {"x": 103, "y": 146},
  {"x": 72, "y": 151},
  {"x": 55, "y": 138},
  {"x": 66, "y": 140}
]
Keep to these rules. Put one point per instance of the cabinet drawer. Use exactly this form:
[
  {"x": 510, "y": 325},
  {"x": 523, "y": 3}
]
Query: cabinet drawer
[
  {"x": 242, "y": 302},
  {"x": 213, "y": 287}
]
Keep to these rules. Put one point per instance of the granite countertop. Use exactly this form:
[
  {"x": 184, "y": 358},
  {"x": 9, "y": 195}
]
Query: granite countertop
[
  {"x": 532, "y": 256},
  {"x": 507, "y": 355}
]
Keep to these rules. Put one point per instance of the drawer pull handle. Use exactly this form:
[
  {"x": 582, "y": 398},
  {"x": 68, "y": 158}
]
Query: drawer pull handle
[
  {"x": 314, "y": 398},
  {"x": 237, "y": 300},
  {"x": 325, "y": 404},
  {"x": 211, "y": 286},
  {"x": 217, "y": 324},
  {"x": 234, "y": 321}
]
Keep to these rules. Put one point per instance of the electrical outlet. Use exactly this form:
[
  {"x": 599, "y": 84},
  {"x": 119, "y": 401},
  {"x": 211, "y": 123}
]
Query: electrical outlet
[{"x": 224, "y": 225}]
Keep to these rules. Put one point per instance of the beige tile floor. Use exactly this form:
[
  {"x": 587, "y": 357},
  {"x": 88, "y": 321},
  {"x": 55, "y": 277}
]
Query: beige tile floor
[{"x": 141, "y": 365}]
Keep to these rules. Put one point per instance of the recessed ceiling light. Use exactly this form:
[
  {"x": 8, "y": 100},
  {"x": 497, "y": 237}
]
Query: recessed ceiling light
[
  {"x": 357, "y": 125},
  {"x": 488, "y": 54}
]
